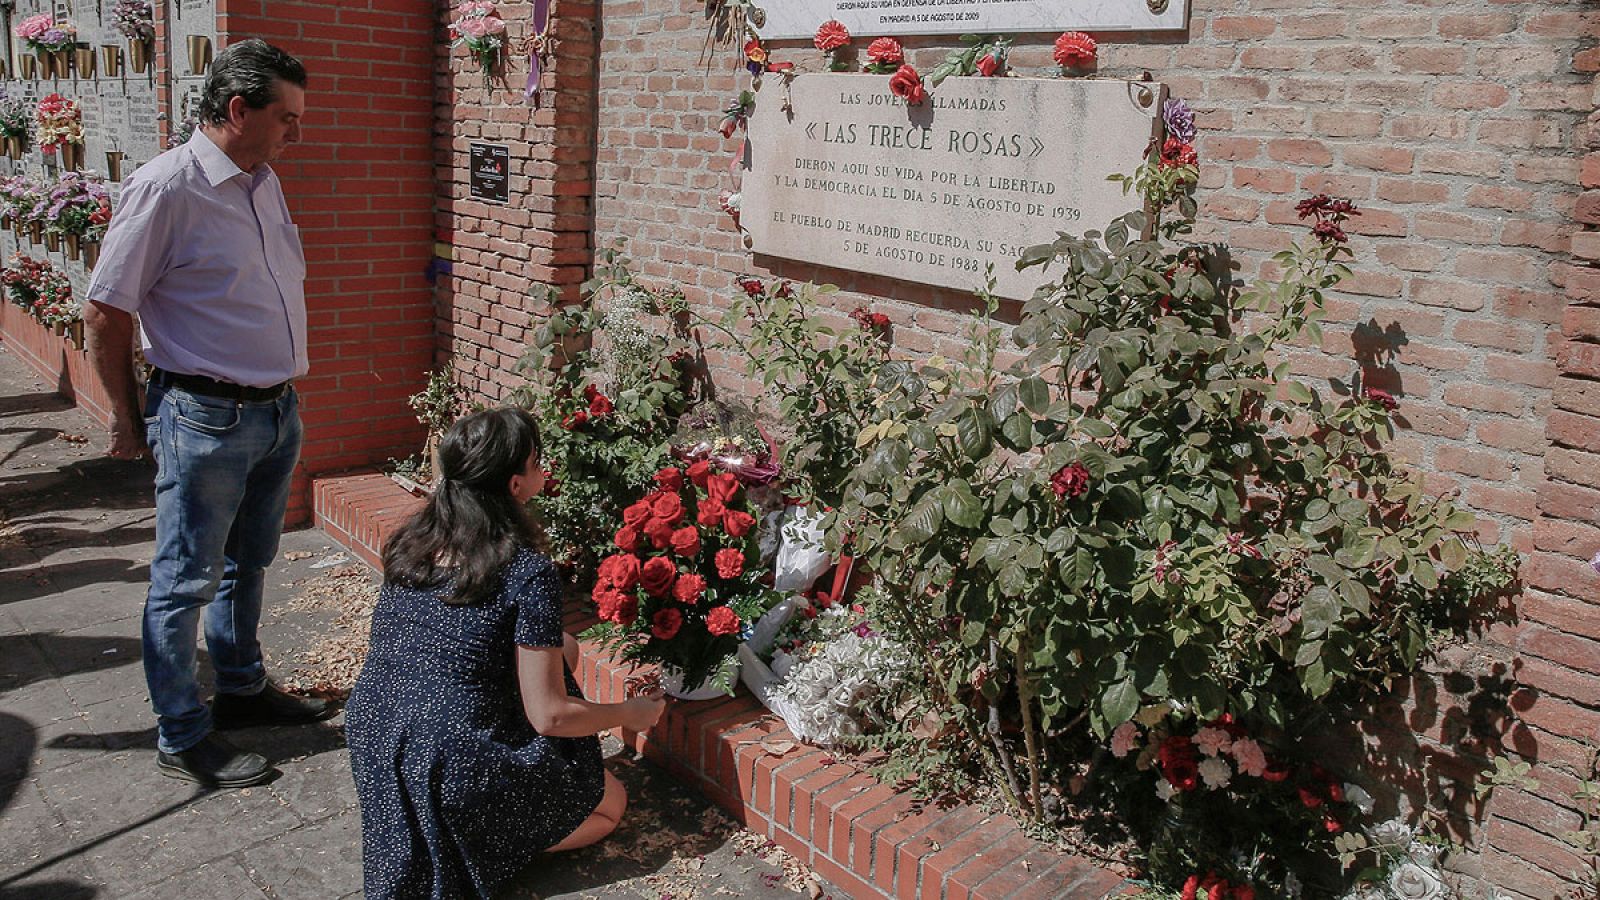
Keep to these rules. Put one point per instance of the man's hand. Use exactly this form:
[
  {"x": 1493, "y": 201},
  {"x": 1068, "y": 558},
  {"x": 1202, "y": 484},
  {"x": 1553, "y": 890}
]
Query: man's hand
[{"x": 110, "y": 333}]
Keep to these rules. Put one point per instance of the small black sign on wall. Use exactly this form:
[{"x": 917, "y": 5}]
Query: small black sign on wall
[{"x": 491, "y": 173}]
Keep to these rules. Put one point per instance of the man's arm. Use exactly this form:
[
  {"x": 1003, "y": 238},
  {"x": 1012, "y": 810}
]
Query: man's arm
[{"x": 110, "y": 332}]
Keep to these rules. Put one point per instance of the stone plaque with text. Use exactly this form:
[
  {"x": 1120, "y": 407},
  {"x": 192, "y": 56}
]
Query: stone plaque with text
[
  {"x": 934, "y": 193},
  {"x": 800, "y": 18}
]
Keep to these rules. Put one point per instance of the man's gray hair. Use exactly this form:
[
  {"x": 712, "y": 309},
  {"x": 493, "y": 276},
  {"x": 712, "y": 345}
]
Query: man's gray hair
[{"x": 250, "y": 69}]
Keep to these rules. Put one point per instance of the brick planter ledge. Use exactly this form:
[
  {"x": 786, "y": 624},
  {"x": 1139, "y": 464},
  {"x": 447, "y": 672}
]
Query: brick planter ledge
[{"x": 862, "y": 837}]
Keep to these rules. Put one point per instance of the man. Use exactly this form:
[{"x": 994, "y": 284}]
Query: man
[{"x": 201, "y": 247}]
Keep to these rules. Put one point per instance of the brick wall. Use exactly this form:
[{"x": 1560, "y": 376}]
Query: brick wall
[
  {"x": 1458, "y": 127},
  {"x": 501, "y": 252},
  {"x": 360, "y": 187}
]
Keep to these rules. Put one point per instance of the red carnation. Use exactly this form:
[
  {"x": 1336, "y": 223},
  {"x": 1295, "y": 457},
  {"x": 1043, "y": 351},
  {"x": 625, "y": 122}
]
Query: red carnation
[
  {"x": 831, "y": 36},
  {"x": 710, "y": 512},
  {"x": 907, "y": 85},
  {"x": 722, "y": 621},
  {"x": 737, "y": 522},
  {"x": 665, "y": 623},
  {"x": 670, "y": 479},
  {"x": 699, "y": 472},
  {"x": 722, "y": 487},
  {"x": 1070, "y": 482},
  {"x": 685, "y": 541},
  {"x": 574, "y": 421},
  {"x": 636, "y": 514},
  {"x": 730, "y": 563},
  {"x": 886, "y": 51},
  {"x": 627, "y": 539},
  {"x": 620, "y": 571},
  {"x": 659, "y": 531},
  {"x": 657, "y": 576},
  {"x": 1074, "y": 49},
  {"x": 689, "y": 588},
  {"x": 668, "y": 508}
]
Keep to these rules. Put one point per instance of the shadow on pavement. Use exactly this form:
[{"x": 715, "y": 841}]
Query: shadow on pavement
[
  {"x": 28, "y": 583},
  {"x": 32, "y": 402},
  {"x": 50, "y": 890},
  {"x": 60, "y": 654},
  {"x": 17, "y": 740}
]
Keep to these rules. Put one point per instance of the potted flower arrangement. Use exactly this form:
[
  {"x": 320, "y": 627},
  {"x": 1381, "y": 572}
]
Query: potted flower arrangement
[
  {"x": 482, "y": 32},
  {"x": 60, "y": 127},
  {"x": 20, "y": 197},
  {"x": 135, "y": 19},
  {"x": 49, "y": 40},
  {"x": 14, "y": 122},
  {"x": 686, "y": 580},
  {"x": 21, "y": 279},
  {"x": 79, "y": 209}
]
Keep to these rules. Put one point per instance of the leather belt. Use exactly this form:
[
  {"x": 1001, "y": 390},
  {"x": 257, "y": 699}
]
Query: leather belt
[{"x": 211, "y": 387}]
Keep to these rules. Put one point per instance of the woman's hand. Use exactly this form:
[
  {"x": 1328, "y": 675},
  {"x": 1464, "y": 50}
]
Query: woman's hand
[{"x": 641, "y": 713}]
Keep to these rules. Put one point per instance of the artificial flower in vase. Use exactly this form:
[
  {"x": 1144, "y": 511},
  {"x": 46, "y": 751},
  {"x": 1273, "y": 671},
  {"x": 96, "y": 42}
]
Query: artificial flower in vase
[
  {"x": 60, "y": 124},
  {"x": 51, "y": 42},
  {"x": 687, "y": 581},
  {"x": 477, "y": 27},
  {"x": 135, "y": 19}
]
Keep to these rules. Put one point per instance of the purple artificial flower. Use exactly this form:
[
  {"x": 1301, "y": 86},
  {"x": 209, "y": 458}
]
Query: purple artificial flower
[
  {"x": 1595, "y": 563},
  {"x": 1180, "y": 120}
]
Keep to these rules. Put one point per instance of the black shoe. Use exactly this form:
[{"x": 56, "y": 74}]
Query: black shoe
[
  {"x": 270, "y": 707},
  {"x": 216, "y": 763}
]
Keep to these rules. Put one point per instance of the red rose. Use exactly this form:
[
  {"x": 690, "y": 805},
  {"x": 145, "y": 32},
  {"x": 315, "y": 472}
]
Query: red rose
[
  {"x": 886, "y": 51},
  {"x": 665, "y": 623},
  {"x": 907, "y": 85},
  {"x": 1275, "y": 773},
  {"x": 618, "y": 607},
  {"x": 627, "y": 539},
  {"x": 636, "y": 514},
  {"x": 730, "y": 563},
  {"x": 1332, "y": 825},
  {"x": 699, "y": 473},
  {"x": 1191, "y": 887},
  {"x": 574, "y": 421},
  {"x": 1310, "y": 798},
  {"x": 752, "y": 286},
  {"x": 1176, "y": 153},
  {"x": 600, "y": 406},
  {"x": 1382, "y": 398},
  {"x": 1071, "y": 481},
  {"x": 722, "y": 621},
  {"x": 668, "y": 508},
  {"x": 659, "y": 531},
  {"x": 685, "y": 541},
  {"x": 880, "y": 321},
  {"x": 738, "y": 523},
  {"x": 620, "y": 571},
  {"x": 1178, "y": 762},
  {"x": 710, "y": 512},
  {"x": 670, "y": 479},
  {"x": 831, "y": 36},
  {"x": 987, "y": 65},
  {"x": 689, "y": 588},
  {"x": 722, "y": 487},
  {"x": 1074, "y": 49},
  {"x": 657, "y": 576}
]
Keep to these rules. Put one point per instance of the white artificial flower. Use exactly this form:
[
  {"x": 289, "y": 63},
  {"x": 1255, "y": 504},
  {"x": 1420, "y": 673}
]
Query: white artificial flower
[
  {"x": 1363, "y": 800},
  {"x": 1215, "y": 772},
  {"x": 1165, "y": 790},
  {"x": 1393, "y": 833},
  {"x": 1413, "y": 882}
]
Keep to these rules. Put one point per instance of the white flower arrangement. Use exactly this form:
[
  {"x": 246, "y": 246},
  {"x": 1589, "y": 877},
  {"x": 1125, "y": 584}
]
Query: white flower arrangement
[
  {"x": 840, "y": 690},
  {"x": 1408, "y": 866}
]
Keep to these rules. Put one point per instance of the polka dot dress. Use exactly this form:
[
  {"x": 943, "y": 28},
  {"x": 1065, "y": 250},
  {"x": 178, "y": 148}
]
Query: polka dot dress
[{"x": 458, "y": 793}]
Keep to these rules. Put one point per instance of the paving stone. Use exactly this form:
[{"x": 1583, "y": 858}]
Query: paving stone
[
  {"x": 223, "y": 878},
  {"x": 312, "y": 863}
]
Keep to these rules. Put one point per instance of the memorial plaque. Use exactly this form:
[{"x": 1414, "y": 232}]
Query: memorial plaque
[
  {"x": 490, "y": 173},
  {"x": 935, "y": 193},
  {"x": 870, "y": 18}
]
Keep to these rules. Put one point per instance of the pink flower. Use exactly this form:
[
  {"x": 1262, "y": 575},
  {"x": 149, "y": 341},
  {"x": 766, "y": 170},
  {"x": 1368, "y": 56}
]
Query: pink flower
[
  {"x": 474, "y": 28},
  {"x": 1251, "y": 758},
  {"x": 831, "y": 36},
  {"x": 1212, "y": 741},
  {"x": 886, "y": 51},
  {"x": 1124, "y": 740}
]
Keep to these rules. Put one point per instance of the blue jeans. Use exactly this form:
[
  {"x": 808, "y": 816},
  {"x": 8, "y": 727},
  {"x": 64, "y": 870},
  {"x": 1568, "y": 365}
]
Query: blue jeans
[{"x": 222, "y": 482}]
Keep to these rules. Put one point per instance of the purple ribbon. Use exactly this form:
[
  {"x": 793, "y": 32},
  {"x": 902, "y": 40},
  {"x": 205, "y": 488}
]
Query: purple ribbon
[{"x": 541, "y": 21}]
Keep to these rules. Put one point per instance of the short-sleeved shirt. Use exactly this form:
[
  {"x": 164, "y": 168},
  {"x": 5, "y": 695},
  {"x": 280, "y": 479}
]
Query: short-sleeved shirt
[{"x": 207, "y": 256}]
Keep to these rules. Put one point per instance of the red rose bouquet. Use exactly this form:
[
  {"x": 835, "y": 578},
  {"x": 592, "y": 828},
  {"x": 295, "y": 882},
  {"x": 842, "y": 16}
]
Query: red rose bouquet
[{"x": 687, "y": 581}]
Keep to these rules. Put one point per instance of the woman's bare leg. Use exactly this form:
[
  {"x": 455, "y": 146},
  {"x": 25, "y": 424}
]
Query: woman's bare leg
[
  {"x": 602, "y": 821},
  {"x": 569, "y": 651}
]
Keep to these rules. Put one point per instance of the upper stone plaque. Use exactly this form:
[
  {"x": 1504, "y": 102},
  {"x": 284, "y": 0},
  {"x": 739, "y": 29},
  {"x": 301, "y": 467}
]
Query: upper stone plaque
[
  {"x": 936, "y": 193},
  {"x": 800, "y": 18}
]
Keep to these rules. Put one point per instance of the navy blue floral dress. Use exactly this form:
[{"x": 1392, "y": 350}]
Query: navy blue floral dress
[{"x": 458, "y": 792}]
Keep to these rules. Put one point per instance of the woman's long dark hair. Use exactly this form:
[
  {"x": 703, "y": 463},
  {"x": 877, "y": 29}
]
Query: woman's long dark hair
[{"x": 471, "y": 523}]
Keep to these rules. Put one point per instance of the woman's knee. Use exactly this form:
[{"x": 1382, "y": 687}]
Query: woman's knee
[{"x": 615, "y": 800}]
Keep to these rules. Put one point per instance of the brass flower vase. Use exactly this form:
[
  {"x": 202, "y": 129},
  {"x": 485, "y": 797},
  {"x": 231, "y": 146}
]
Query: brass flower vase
[
  {"x": 72, "y": 246},
  {"x": 111, "y": 60},
  {"x": 199, "y": 54},
  {"x": 35, "y": 232},
  {"x": 61, "y": 63},
  {"x": 52, "y": 241},
  {"x": 114, "y": 164},
  {"x": 91, "y": 254},
  {"x": 60, "y": 328},
  {"x": 47, "y": 63},
  {"x": 14, "y": 146},
  {"x": 138, "y": 54},
  {"x": 75, "y": 334},
  {"x": 83, "y": 59},
  {"x": 29, "y": 66}
]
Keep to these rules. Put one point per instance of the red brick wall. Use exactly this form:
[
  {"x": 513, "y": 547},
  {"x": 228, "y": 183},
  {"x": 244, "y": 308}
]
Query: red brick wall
[
  {"x": 1457, "y": 127},
  {"x": 502, "y": 252},
  {"x": 360, "y": 186}
]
